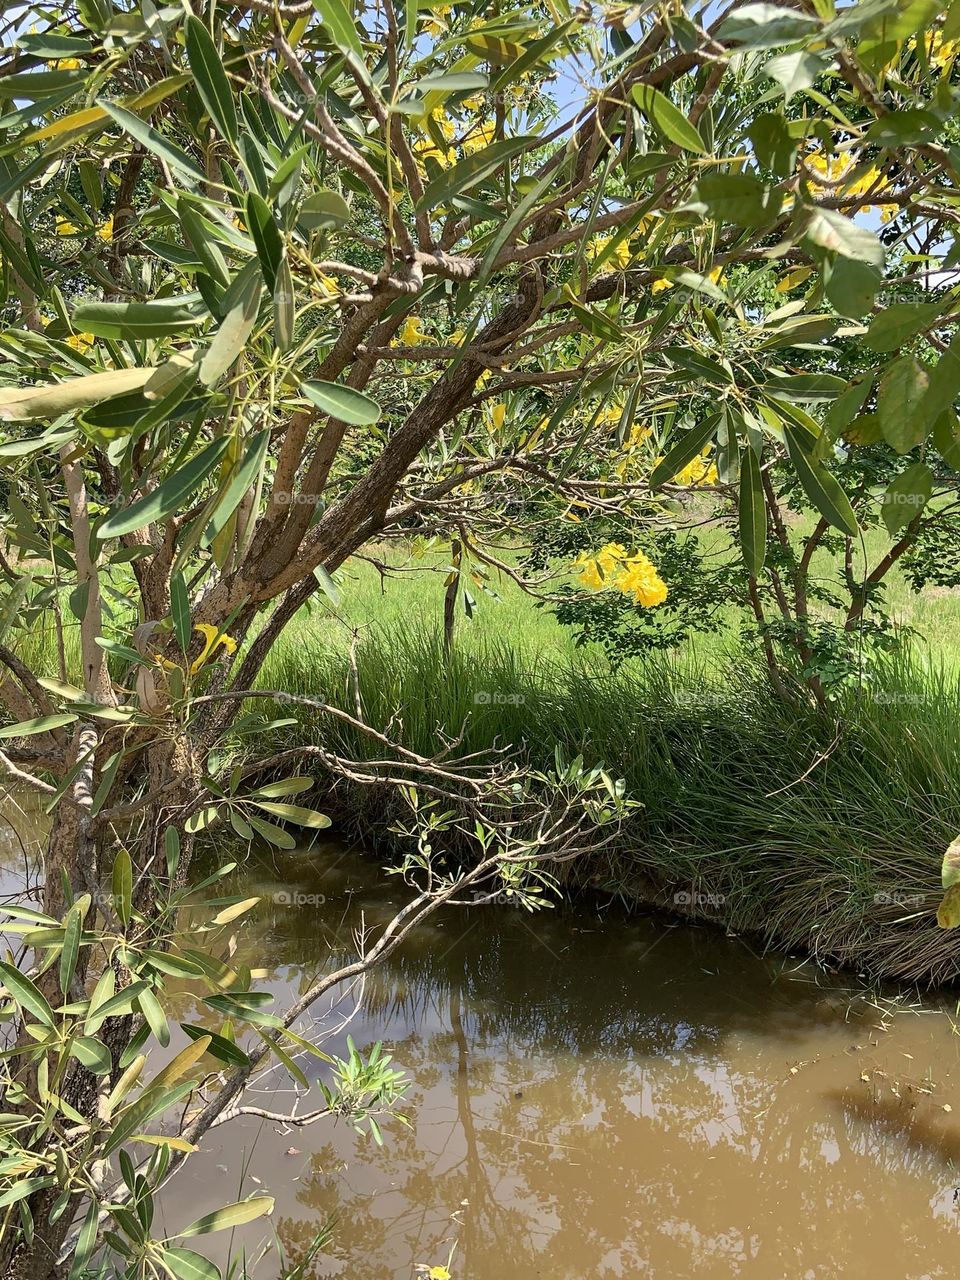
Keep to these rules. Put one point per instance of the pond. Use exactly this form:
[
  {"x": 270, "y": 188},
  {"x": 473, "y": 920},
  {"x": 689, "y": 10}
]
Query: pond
[{"x": 598, "y": 1094}]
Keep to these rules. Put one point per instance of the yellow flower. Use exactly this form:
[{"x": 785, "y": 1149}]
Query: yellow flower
[
  {"x": 588, "y": 574},
  {"x": 436, "y": 25},
  {"x": 701, "y": 471},
  {"x": 634, "y": 575},
  {"x": 105, "y": 230},
  {"x": 80, "y": 342},
  {"x": 65, "y": 64},
  {"x": 659, "y": 285},
  {"x": 498, "y": 413},
  {"x": 215, "y": 639},
  {"x": 329, "y": 285},
  {"x": 621, "y": 256},
  {"x": 941, "y": 51},
  {"x": 411, "y": 335},
  {"x": 456, "y": 338},
  {"x": 438, "y": 1273},
  {"x": 65, "y": 228},
  {"x": 610, "y": 557},
  {"x": 477, "y": 139},
  {"x": 641, "y": 580},
  {"x": 715, "y": 274}
]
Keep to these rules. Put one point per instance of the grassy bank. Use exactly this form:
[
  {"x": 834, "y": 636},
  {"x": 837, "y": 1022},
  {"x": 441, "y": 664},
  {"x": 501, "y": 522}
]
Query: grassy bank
[
  {"x": 818, "y": 834},
  {"x": 821, "y": 834}
]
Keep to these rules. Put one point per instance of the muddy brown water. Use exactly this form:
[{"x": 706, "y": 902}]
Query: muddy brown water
[{"x": 592, "y": 1095}]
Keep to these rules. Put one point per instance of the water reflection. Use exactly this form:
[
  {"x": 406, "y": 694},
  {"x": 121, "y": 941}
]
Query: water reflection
[{"x": 602, "y": 1095}]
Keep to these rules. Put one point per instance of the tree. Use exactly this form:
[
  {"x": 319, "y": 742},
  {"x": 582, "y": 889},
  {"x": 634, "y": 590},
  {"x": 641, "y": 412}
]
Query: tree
[{"x": 280, "y": 280}]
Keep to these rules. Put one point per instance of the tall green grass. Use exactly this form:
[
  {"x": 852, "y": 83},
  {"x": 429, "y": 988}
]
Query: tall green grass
[{"x": 812, "y": 832}]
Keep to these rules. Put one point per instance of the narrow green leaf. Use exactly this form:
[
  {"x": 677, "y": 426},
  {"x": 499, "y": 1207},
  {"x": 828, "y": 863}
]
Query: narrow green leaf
[
  {"x": 685, "y": 450},
  {"x": 26, "y": 728},
  {"x": 169, "y": 496},
  {"x": 822, "y": 488},
  {"x": 180, "y": 612},
  {"x": 123, "y": 885},
  {"x": 342, "y": 403},
  {"x": 668, "y": 119},
  {"x": 72, "y": 929},
  {"x": 230, "y": 1216},
  {"x": 28, "y": 996},
  {"x": 753, "y": 515},
  {"x": 154, "y": 142},
  {"x": 211, "y": 79},
  {"x": 266, "y": 236}
]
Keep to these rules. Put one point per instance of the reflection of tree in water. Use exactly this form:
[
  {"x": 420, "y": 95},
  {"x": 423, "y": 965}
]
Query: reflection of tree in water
[{"x": 588, "y": 1094}]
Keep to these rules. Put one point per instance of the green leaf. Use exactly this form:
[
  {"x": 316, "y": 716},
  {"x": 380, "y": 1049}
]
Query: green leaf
[
  {"x": 180, "y": 613},
  {"x": 342, "y": 403},
  {"x": 896, "y": 324},
  {"x": 169, "y": 496},
  {"x": 154, "y": 142},
  {"x": 220, "y": 1047},
  {"x": 241, "y": 480},
  {"x": 165, "y": 318},
  {"x": 944, "y": 384},
  {"x": 211, "y": 79},
  {"x": 230, "y": 1216},
  {"x": 187, "y": 1265},
  {"x": 274, "y": 835},
  {"x": 114, "y": 1007},
  {"x": 753, "y": 515},
  {"x": 294, "y": 813},
  {"x": 668, "y": 119},
  {"x": 122, "y": 884},
  {"x": 21, "y": 1190},
  {"x": 28, "y": 996},
  {"x": 764, "y": 26},
  {"x": 199, "y": 232},
  {"x": 685, "y": 450},
  {"x": 153, "y": 1012},
  {"x": 851, "y": 286},
  {"x": 335, "y": 16},
  {"x": 899, "y": 403},
  {"x": 86, "y": 1241},
  {"x": 285, "y": 787},
  {"x": 72, "y": 929},
  {"x": 741, "y": 198},
  {"x": 26, "y": 728},
  {"x": 906, "y": 496},
  {"x": 237, "y": 325},
  {"x": 822, "y": 488},
  {"x": 93, "y": 1054},
  {"x": 829, "y": 230},
  {"x": 324, "y": 209},
  {"x": 266, "y": 236},
  {"x": 795, "y": 72}
]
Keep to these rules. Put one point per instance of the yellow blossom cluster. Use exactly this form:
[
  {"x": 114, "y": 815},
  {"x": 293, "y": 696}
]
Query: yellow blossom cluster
[
  {"x": 612, "y": 566},
  {"x": 835, "y": 168},
  {"x": 700, "y": 471},
  {"x": 478, "y": 136}
]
